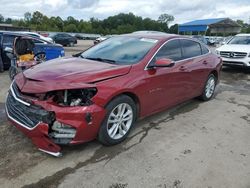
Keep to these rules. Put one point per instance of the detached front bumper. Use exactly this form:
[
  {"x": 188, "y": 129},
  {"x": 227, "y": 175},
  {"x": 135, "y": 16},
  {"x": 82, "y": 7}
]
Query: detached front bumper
[{"x": 36, "y": 118}]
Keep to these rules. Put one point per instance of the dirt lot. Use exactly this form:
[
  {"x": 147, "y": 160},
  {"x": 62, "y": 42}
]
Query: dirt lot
[{"x": 203, "y": 145}]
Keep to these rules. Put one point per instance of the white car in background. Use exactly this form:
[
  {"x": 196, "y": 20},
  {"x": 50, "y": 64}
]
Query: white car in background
[
  {"x": 236, "y": 52},
  {"x": 36, "y": 35}
]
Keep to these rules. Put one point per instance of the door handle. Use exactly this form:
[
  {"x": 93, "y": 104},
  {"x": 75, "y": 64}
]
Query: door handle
[
  {"x": 204, "y": 63},
  {"x": 183, "y": 68}
]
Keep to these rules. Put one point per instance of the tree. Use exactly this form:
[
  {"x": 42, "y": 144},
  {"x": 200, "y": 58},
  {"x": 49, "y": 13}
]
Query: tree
[
  {"x": 37, "y": 18},
  {"x": 27, "y": 16},
  {"x": 71, "y": 28},
  {"x": 59, "y": 23},
  {"x": 174, "y": 29},
  {"x": 117, "y": 24},
  {"x": 1, "y": 18},
  {"x": 165, "y": 18},
  {"x": 8, "y": 20}
]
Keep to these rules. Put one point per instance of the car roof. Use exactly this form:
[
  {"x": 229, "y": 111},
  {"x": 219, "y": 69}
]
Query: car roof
[
  {"x": 22, "y": 35},
  {"x": 157, "y": 36},
  {"x": 16, "y": 33},
  {"x": 244, "y": 34},
  {"x": 27, "y": 32}
]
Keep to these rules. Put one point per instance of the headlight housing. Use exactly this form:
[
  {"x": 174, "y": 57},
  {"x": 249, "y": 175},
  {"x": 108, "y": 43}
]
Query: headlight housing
[
  {"x": 217, "y": 52},
  {"x": 73, "y": 97}
]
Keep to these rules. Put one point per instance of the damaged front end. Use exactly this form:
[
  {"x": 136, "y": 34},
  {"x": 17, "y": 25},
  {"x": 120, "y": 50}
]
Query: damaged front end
[{"x": 56, "y": 117}]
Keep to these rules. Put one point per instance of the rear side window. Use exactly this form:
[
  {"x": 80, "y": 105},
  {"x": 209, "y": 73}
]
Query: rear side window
[
  {"x": 37, "y": 41},
  {"x": 204, "y": 49},
  {"x": 190, "y": 48},
  {"x": 66, "y": 35},
  {"x": 8, "y": 40},
  {"x": 171, "y": 50}
]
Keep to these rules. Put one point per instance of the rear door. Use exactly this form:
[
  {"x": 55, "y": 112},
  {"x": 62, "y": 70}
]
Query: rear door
[{"x": 195, "y": 63}]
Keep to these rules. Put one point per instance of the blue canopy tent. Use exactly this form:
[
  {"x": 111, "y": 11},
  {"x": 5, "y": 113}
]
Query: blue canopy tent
[{"x": 216, "y": 25}]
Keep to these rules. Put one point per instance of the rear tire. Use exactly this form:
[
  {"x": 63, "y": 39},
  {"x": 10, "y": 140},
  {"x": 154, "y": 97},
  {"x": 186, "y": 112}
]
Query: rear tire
[
  {"x": 120, "y": 118},
  {"x": 209, "y": 88}
]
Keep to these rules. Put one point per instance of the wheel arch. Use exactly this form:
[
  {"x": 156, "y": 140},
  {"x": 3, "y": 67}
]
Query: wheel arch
[
  {"x": 133, "y": 96},
  {"x": 215, "y": 73}
]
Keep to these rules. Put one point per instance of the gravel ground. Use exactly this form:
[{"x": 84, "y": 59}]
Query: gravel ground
[{"x": 196, "y": 144}]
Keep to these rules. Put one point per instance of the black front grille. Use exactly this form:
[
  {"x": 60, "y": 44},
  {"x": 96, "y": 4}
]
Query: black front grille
[
  {"x": 28, "y": 116},
  {"x": 233, "y": 63}
]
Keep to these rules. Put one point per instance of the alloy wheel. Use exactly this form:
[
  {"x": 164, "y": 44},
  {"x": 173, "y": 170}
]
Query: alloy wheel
[
  {"x": 119, "y": 121},
  {"x": 210, "y": 87}
]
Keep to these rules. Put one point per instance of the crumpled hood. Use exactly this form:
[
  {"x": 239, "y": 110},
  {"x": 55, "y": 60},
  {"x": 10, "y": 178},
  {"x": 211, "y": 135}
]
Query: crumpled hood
[
  {"x": 67, "y": 73},
  {"x": 235, "y": 48}
]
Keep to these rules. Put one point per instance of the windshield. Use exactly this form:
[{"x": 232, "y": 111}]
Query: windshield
[
  {"x": 120, "y": 50},
  {"x": 240, "y": 40}
]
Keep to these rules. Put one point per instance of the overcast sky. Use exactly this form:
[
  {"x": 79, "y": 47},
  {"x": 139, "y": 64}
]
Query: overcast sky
[{"x": 182, "y": 10}]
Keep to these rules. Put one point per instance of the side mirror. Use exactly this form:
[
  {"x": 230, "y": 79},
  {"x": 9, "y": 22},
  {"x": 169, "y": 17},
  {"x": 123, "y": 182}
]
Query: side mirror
[
  {"x": 8, "y": 49},
  {"x": 164, "y": 62}
]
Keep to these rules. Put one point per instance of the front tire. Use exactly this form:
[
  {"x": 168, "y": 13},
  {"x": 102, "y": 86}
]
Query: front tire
[
  {"x": 208, "y": 91},
  {"x": 40, "y": 57},
  {"x": 120, "y": 118}
]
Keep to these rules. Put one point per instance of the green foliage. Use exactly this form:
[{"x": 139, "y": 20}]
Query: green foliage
[
  {"x": 174, "y": 29},
  {"x": 8, "y": 20},
  {"x": 118, "y": 24},
  {"x": 1, "y": 18},
  {"x": 27, "y": 16},
  {"x": 165, "y": 18},
  {"x": 71, "y": 28},
  {"x": 245, "y": 27}
]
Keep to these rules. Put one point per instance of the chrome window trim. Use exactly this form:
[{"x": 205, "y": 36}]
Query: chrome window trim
[{"x": 209, "y": 51}]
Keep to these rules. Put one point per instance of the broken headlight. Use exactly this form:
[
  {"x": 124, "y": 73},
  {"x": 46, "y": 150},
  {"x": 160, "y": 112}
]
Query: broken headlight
[{"x": 73, "y": 97}]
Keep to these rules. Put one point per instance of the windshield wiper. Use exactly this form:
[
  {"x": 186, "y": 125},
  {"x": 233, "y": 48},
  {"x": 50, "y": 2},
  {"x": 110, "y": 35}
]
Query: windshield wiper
[{"x": 101, "y": 59}]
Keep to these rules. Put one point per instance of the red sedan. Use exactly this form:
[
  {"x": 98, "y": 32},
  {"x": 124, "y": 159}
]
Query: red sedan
[{"x": 101, "y": 93}]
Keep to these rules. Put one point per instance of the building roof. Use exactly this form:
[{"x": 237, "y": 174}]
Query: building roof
[
  {"x": 215, "y": 24},
  {"x": 6, "y": 25},
  {"x": 203, "y": 22}
]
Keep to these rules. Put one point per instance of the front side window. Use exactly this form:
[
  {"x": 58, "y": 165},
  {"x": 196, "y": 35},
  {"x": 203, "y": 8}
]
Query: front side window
[
  {"x": 190, "y": 48},
  {"x": 171, "y": 50},
  {"x": 120, "y": 50}
]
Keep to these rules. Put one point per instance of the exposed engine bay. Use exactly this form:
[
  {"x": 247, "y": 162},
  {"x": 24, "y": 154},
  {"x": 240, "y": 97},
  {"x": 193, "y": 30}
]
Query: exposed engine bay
[{"x": 72, "y": 97}]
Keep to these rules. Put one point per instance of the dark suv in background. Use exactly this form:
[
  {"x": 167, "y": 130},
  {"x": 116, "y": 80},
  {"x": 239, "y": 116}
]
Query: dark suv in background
[{"x": 64, "y": 39}]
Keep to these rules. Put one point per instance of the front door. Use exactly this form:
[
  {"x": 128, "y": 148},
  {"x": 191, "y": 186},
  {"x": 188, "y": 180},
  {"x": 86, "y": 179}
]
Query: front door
[{"x": 167, "y": 86}]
